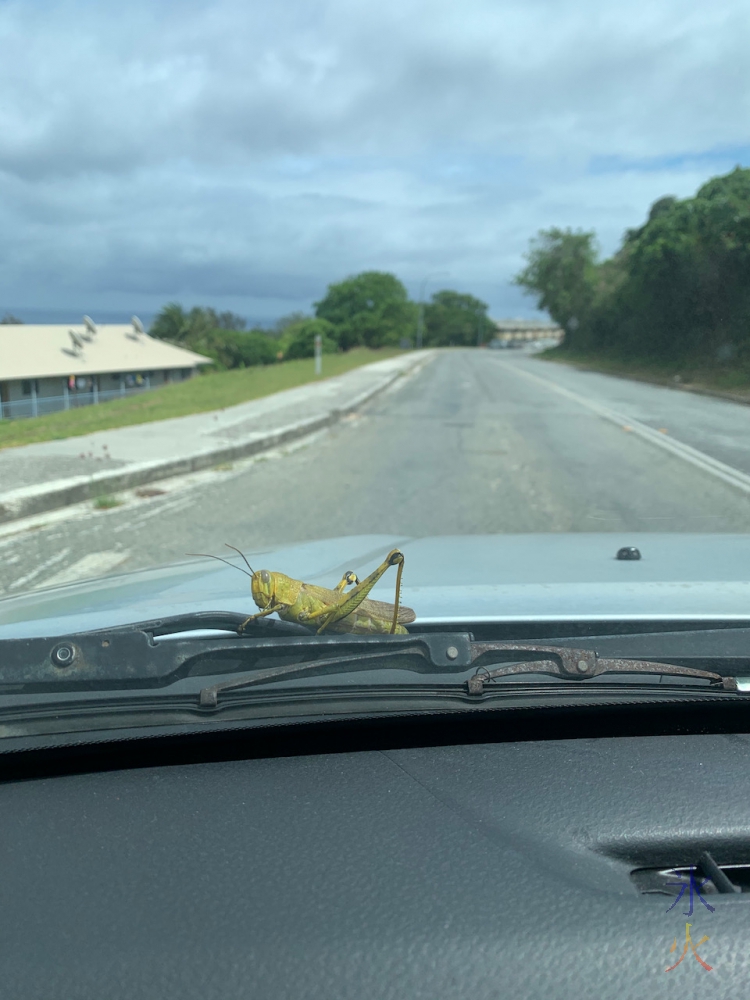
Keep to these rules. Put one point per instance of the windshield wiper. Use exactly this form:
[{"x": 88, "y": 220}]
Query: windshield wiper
[
  {"x": 575, "y": 664},
  {"x": 557, "y": 661},
  {"x": 155, "y": 654}
]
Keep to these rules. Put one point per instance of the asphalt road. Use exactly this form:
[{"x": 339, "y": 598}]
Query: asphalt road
[{"x": 476, "y": 442}]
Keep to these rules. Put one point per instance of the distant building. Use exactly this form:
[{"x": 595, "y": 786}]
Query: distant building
[
  {"x": 58, "y": 367},
  {"x": 509, "y": 330}
]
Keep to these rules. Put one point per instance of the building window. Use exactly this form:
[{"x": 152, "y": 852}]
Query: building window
[{"x": 26, "y": 386}]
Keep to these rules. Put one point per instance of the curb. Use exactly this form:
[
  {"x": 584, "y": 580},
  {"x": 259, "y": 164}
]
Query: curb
[{"x": 38, "y": 499}]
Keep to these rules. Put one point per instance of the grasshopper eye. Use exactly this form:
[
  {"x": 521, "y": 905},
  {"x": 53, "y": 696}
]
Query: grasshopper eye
[{"x": 265, "y": 576}]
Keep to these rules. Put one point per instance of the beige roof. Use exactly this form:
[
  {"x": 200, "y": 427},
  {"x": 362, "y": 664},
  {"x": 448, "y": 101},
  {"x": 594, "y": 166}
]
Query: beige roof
[{"x": 30, "y": 351}]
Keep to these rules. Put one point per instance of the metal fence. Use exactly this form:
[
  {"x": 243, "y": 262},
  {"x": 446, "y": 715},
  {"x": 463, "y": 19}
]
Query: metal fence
[{"x": 38, "y": 406}]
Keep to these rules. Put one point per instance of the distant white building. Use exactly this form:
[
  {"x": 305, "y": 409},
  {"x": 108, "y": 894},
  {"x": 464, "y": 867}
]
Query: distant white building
[
  {"x": 526, "y": 329},
  {"x": 58, "y": 367}
]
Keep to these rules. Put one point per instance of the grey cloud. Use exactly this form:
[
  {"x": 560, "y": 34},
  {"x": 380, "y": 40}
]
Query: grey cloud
[{"x": 257, "y": 152}]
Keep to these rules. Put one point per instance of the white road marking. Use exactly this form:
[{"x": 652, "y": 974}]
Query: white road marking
[
  {"x": 23, "y": 580},
  {"x": 700, "y": 459},
  {"x": 95, "y": 564}
]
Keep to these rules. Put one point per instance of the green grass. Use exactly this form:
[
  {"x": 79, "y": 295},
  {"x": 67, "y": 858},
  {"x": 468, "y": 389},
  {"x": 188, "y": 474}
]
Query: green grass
[
  {"x": 196, "y": 395},
  {"x": 731, "y": 379},
  {"x": 106, "y": 502}
]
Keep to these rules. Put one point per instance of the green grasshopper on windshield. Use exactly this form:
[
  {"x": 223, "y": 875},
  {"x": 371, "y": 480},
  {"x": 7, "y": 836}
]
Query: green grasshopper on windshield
[{"x": 338, "y": 610}]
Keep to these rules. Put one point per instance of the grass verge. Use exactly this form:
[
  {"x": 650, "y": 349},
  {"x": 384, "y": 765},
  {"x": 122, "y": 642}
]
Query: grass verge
[
  {"x": 197, "y": 395},
  {"x": 106, "y": 502},
  {"x": 730, "y": 381}
]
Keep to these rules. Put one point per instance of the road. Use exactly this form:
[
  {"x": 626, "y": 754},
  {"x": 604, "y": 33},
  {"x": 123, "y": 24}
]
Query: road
[{"x": 476, "y": 442}]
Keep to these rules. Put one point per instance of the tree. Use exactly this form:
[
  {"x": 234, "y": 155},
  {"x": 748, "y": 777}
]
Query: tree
[
  {"x": 220, "y": 336},
  {"x": 371, "y": 308},
  {"x": 171, "y": 324},
  {"x": 236, "y": 348},
  {"x": 302, "y": 341},
  {"x": 178, "y": 326},
  {"x": 561, "y": 273},
  {"x": 282, "y": 324},
  {"x": 453, "y": 318},
  {"x": 677, "y": 289},
  {"x": 11, "y": 320}
]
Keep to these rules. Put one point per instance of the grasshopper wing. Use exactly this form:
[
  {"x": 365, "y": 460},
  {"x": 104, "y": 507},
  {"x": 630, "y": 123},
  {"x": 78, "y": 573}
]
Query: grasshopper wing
[{"x": 381, "y": 609}]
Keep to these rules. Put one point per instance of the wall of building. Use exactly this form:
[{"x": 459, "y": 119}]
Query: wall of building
[{"x": 28, "y": 398}]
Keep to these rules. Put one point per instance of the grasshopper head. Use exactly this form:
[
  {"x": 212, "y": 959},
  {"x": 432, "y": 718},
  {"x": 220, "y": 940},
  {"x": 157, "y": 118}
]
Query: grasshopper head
[{"x": 263, "y": 588}]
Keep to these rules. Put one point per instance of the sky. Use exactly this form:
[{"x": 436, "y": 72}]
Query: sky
[{"x": 245, "y": 155}]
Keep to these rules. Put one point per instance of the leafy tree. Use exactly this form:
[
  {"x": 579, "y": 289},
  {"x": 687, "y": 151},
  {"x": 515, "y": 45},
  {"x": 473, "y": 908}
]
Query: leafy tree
[
  {"x": 177, "y": 326},
  {"x": 227, "y": 320},
  {"x": 371, "y": 308},
  {"x": 561, "y": 273},
  {"x": 10, "y": 319},
  {"x": 302, "y": 341},
  {"x": 282, "y": 324},
  {"x": 677, "y": 289},
  {"x": 236, "y": 348},
  {"x": 170, "y": 324},
  {"x": 453, "y": 318},
  {"x": 220, "y": 336}
]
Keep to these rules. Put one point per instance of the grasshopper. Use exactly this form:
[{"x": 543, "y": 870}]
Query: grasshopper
[{"x": 338, "y": 610}]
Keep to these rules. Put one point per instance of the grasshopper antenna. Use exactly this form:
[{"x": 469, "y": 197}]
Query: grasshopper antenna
[
  {"x": 208, "y": 555},
  {"x": 243, "y": 556}
]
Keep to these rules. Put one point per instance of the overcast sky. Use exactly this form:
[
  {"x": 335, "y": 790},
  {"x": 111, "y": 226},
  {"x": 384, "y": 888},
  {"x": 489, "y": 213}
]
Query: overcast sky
[{"x": 244, "y": 154}]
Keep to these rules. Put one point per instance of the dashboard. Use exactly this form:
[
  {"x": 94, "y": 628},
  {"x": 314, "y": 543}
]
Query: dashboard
[{"x": 510, "y": 863}]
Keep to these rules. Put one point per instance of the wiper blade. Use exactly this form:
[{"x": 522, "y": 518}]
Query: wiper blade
[
  {"x": 575, "y": 665},
  {"x": 558, "y": 661}
]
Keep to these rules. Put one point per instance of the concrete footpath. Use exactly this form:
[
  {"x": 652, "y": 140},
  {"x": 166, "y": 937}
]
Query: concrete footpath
[{"x": 52, "y": 474}]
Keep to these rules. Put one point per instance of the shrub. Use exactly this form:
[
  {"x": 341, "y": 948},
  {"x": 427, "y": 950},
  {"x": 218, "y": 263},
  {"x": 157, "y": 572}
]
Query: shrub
[{"x": 302, "y": 338}]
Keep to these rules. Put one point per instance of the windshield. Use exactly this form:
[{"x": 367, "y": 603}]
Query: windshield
[{"x": 326, "y": 282}]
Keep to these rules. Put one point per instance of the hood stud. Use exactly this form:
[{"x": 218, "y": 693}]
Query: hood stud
[{"x": 628, "y": 552}]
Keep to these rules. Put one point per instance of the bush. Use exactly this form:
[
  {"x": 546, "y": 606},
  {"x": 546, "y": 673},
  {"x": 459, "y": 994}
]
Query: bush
[
  {"x": 301, "y": 343},
  {"x": 235, "y": 348}
]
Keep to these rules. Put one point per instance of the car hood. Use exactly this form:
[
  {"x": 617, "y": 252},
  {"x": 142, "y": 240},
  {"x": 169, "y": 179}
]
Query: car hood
[{"x": 450, "y": 578}]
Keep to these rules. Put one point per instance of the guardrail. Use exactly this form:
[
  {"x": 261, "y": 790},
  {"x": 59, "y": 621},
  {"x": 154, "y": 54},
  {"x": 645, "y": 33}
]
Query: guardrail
[{"x": 38, "y": 406}]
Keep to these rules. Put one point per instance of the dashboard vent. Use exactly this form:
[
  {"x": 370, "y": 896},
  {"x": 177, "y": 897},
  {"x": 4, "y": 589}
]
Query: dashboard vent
[{"x": 711, "y": 878}]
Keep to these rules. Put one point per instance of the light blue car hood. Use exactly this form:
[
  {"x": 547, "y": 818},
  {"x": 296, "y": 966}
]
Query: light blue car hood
[{"x": 457, "y": 578}]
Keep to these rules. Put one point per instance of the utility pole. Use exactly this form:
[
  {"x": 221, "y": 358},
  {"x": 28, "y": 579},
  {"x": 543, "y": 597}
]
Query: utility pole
[{"x": 318, "y": 354}]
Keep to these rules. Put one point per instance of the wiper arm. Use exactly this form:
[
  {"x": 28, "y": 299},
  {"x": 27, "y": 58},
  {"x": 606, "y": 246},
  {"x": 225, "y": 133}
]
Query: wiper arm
[
  {"x": 209, "y": 696},
  {"x": 575, "y": 665},
  {"x": 557, "y": 661}
]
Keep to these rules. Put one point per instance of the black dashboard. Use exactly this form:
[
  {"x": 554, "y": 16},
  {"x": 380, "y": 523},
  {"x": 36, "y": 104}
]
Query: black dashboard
[{"x": 507, "y": 865}]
